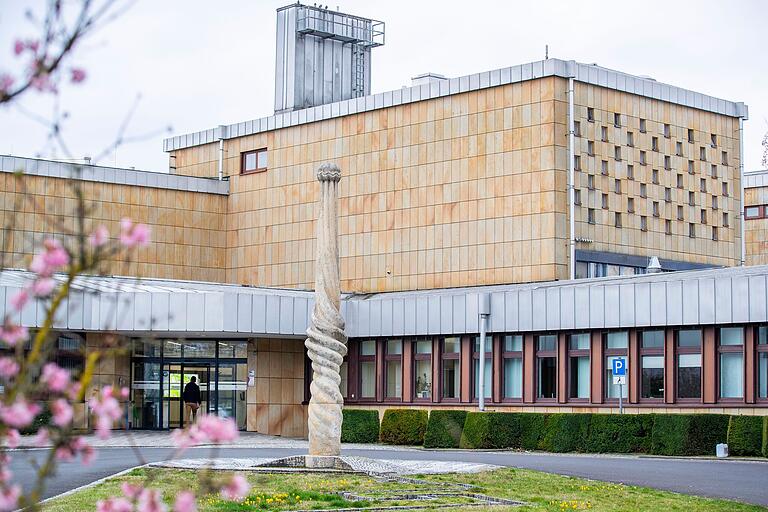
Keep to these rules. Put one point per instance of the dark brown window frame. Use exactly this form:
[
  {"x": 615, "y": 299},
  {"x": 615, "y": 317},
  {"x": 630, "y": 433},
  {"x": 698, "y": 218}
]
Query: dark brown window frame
[
  {"x": 423, "y": 357},
  {"x": 731, "y": 349},
  {"x": 759, "y": 349},
  {"x": 449, "y": 356},
  {"x": 570, "y": 354},
  {"x": 678, "y": 351},
  {"x": 511, "y": 354},
  {"x": 489, "y": 356},
  {"x": 540, "y": 354},
  {"x": 256, "y": 152},
  {"x": 365, "y": 359},
  {"x": 613, "y": 352},
  {"x": 762, "y": 212},
  {"x": 393, "y": 358},
  {"x": 650, "y": 351}
]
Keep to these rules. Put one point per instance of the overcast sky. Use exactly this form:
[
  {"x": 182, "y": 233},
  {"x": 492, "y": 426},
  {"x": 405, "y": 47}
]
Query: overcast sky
[{"x": 200, "y": 63}]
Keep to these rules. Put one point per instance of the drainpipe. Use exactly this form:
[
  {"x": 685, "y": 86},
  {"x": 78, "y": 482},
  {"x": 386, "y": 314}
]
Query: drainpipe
[
  {"x": 743, "y": 114},
  {"x": 571, "y": 177},
  {"x": 222, "y": 132},
  {"x": 485, "y": 311}
]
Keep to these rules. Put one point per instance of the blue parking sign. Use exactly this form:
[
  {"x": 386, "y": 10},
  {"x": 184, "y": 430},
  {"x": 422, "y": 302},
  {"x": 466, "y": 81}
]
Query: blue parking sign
[{"x": 619, "y": 366}]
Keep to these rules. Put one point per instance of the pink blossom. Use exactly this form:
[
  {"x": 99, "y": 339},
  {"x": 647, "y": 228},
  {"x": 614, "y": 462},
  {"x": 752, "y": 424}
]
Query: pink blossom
[
  {"x": 13, "y": 334},
  {"x": 42, "y": 287},
  {"x": 5, "y": 475},
  {"x": 99, "y": 237},
  {"x": 6, "y": 82},
  {"x": 33, "y": 45},
  {"x": 185, "y": 502},
  {"x": 61, "y": 412},
  {"x": 114, "y": 505},
  {"x": 19, "y": 299},
  {"x": 76, "y": 446},
  {"x": 54, "y": 257},
  {"x": 151, "y": 500},
  {"x": 236, "y": 489},
  {"x": 42, "y": 438},
  {"x": 12, "y": 438},
  {"x": 78, "y": 75},
  {"x": 42, "y": 83},
  {"x": 133, "y": 235},
  {"x": 18, "y": 47},
  {"x": 107, "y": 410},
  {"x": 55, "y": 377},
  {"x": 9, "y": 498},
  {"x": 9, "y": 368},
  {"x": 131, "y": 491},
  {"x": 218, "y": 430},
  {"x": 19, "y": 414},
  {"x": 74, "y": 391}
]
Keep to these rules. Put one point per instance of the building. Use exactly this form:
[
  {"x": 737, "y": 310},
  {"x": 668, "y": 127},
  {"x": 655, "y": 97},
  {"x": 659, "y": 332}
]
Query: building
[
  {"x": 455, "y": 196},
  {"x": 755, "y": 215}
]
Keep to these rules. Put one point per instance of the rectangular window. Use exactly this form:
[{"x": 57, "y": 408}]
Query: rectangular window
[
  {"x": 680, "y": 213},
  {"x": 703, "y": 154},
  {"x": 604, "y": 167},
  {"x": 689, "y": 363},
  {"x": 655, "y": 208},
  {"x": 691, "y": 230},
  {"x": 714, "y": 203},
  {"x": 655, "y": 176},
  {"x": 367, "y": 365},
  {"x": 617, "y": 120},
  {"x": 451, "y": 367},
  {"x": 630, "y": 172},
  {"x": 724, "y": 159},
  {"x": 714, "y": 234},
  {"x": 513, "y": 367},
  {"x": 590, "y": 114},
  {"x": 617, "y": 186},
  {"x": 577, "y": 128},
  {"x": 617, "y": 153},
  {"x": 725, "y": 189},
  {"x": 604, "y": 133},
  {"x": 762, "y": 363},
  {"x": 691, "y": 199},
  {"x": 667, "y": 194},
  {"x": 546, "y": 366},
  {"x": 253, "y": 161},
  {"x": 642, "y": 158},
  {"x": 703, "y": 216},
  {"x": 393, "y": 363},
  {"x": 752, "y": 212},
  {"x": 642, "y": 126},
  {"x": 731, "y": 351},
  {"x": 652, "y": 364},
  {"x": 617, "y": 220},
  {"x": 616, "y": 344},
  {"x": 577, "y": 196},
  {"x": 630, "y": 139},
  {"x": 591, "y": 215},
  {"x": 604, "y": 200},
  {"x": 422, "y": 369},
  {"x": 703, "y": 185},
  {"x": 679, "y": 181},
  {"x": 666, "y": 130},
  {"x": 578, "y": 366},
  {"x": 667, "y": 227},
  {"x": 590, "y": 148},
  {"x": 643, "y": 223},
  {"x": 643, "y": 190},
  {"x": 654, "y": 143},
  {"x": 690, "y": 167},
  {"x": 725, "y": 220},
  {"x": 679, "y": 148},
  {"x": 667, "y": 162},
  {"x": 713, "y": 140},
  {"x": 690, "y": 135},
  {"x": 577, "y": 162},
  {"x": 713, "y": 171},
  {"x": 488, "y": 370},
  {"x": 630, "y": 205}
]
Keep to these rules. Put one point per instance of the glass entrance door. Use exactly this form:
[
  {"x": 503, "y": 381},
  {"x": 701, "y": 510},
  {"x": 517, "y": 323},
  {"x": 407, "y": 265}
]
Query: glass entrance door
[{"x": 175, "y": 377}]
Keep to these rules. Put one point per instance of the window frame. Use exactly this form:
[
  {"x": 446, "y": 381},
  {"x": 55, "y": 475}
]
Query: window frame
[
  {"x": 730, "y": 349},
  {"x": 678, "y": 351},
  {"x": 507, "y": 355},
  {"x": 574, "y": 353},
  {"x": 759, "y": 349},
  {"x": 489, "y": 341},
  {"x": 651, "y": 352},
  {"x": 614, "y": 352},
  {"x": 444, "y": 356},
  {"x": 541, "y": 354},
  {"x": 392, "y": 358},
  {"x": 417, "y": 356},
  {"x": 361, "y": 358},
  {"x": 257, "y": 169}
]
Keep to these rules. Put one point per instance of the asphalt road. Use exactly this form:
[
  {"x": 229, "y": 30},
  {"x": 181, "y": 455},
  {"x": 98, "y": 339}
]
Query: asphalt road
[{"x": 733, "y": 479}]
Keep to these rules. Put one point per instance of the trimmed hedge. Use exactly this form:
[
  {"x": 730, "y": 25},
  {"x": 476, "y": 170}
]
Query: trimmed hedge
[
  {"x": 765, "y": 436},
  {"x": 565, "y": 432},
  {"x": 688, "y": 434},
  {"x": 359, "y": 426},
  {"x": 491, "y": 430},
  {"x": 41, "y": 420},
  {"x": 403, "y": 426},
  {"x": 745, "y": 435},
  {"x": 444, "y": 429},
  {"x": 620, "y": 433},
  {"x": 532, "y": 427}
]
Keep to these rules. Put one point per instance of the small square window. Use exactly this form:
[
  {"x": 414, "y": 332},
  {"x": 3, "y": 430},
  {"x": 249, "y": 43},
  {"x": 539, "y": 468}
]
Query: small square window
[
  {"x": 591, "y": 215},
  {"x": 667, "y": 194},
  {"x": 656, "y": 209},
  {"x": 630, "y": 139},
  {"x": 714, "y": 233},
  {"x": 617, "y": 120},
  {"x": 604, "y": 133},
  {"x": 666, "y": 130},
  {"x": 590, "y": 148},
  {"x": 679, "y": 148},
  {"x": 690, "y": 167},
  {"x": 604, "y": 201},
  {"x": 714, "y": 203},
  {"x": 679, "y": 181},
  {"x": 692, "y": 230},
  {"x": 643, "y": 190},
  {"x": 655, "y": 143},
  {"x": 577, "y": 162},
  {"x": 703, "y": 216},
  {"x": 591, "y": 182},
  {"x": 713, "y": 140},
  {"x": 630, "y": 172},
  {"x": 642, "y": 126},
  {"x": 642, "y": 158},
  {"x": 724, "y": 158},
  {"x": 617, "y": 153},
  {"x": 703, "y": 185},
  {"x": 680, "y": 213},
  {"x": 703, "y": 154},
  {"x": 643, "y": 223},
  {"x": 753, "y": 212},
  {"x": 630, "y": 205},
  {"x": 667, "y": 227},
  {"x": 604, "y": 166},
  {"x": 617, "y": 186},
  {"x": 725, "y": 189},
  {"x": 690, "y": 135},
  {"x": 713, "y": 171},
  {"x": 725, "y": 220},
  {"x": 617, "y": 220},
  {"x": 655, "y": 176},
  {"x": 577, "y": 128},
  {"x": 577, "y": 196},
  {"x": 253, "y": 161},
  {"x": 667, "y": 162},
  {"x": 590, "y": 114},
  {"x": 691, "y": 199}
]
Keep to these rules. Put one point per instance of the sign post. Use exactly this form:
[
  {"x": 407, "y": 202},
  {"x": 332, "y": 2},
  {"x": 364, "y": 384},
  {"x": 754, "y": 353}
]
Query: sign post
[{"x": 619, "y": 372}]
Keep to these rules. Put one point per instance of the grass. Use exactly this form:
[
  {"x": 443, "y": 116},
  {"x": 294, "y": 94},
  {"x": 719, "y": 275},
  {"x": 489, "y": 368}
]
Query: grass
[{"x": 280, "y": 492}]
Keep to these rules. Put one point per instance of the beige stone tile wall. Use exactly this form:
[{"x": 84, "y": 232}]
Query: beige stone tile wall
[
  {"x": 630, "y": 239},
  {"x": 274, "y": 402},
  {"x": 462, "y": 190},
  {"x": 756, "y": 230},
  {"x": 188, "y": 237}
]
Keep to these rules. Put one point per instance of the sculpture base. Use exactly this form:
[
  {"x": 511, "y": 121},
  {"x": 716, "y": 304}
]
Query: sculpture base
[{"x": 316, "y": 462}]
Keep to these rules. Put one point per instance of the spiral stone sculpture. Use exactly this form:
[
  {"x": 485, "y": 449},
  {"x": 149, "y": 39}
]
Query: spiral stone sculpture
[{"x": 326, "y": 343}]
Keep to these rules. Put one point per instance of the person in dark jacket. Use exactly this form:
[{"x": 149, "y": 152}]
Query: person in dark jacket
[{"x": 191, "y": 398}]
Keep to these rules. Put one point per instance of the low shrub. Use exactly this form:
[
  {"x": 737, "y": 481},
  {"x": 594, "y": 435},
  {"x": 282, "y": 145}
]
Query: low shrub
[
  {"x": 403, "y": 426},
  {"x": 444, "y": 429},
  {"x": 765, "y": 436},
  {"x": 745, "y": 435},
  {"x": 359, "y": 426},
  {"x": 620, "y": 433},
  {"x": 41, "y": 420},
  {"x": 491, "y": 430},
  {"x": 688, "y": 434},
  {"x": 531, "y": 429},
  {"x": 565, "y": 432}
]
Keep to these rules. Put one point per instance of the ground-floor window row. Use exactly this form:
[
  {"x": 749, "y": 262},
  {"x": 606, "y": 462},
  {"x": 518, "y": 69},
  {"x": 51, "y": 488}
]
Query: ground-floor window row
[{"x": 685, "y": 365}]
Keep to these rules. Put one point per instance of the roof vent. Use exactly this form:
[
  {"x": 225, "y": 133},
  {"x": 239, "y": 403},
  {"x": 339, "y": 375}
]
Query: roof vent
[
  {"x": 654, "y": 267},
  {"x": 426, "y": 78}
]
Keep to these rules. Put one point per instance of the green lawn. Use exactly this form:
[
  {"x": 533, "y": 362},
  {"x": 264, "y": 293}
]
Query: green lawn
[{"x": 278, "y": 492}]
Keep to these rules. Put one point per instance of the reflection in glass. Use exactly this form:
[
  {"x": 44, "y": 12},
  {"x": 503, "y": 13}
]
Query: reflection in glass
[
  {"x": 367, "y": 379},
  {"x": 652, "y": 377},
  {"x": 451, "y": 376},
  {"x": 423, "y": 378},
  {"x": 689, "y": 376},
  {"x": 513, "y": 377},
  {"x": 579, "y": 374},
  {"x": 547, "y": 376},
  {"x": 731, "y": 375}
]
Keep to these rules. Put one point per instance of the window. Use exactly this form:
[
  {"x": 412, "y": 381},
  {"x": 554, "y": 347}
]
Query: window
[
  {"x": 703, "y": 185},
  {"x": 617, "y": 220},
  {"x": 679, "y": 148},
  {"x": 367, "y": 365},
  {"x": 643, "y": 223},
  {"x": 642, "y": 158},
  {"x": 652, "y": 364},
  {"x": 666, "y": 130},
  {"x": 690, "y": 167},
  {"x": 690, "y": 135},
  {"x": 253, "y": 161},
  {"x": 422, "y": 369},
  {"x": 631, "y": 205},
  {"x": 591, "y": 182},
  {"x": 590, "y": 114},
  {"x": 513, "y": 367},
  {"x": 451, "y": 367},
  {"x": 643, "y": 190},
  {"x": 617, "y": 152},
  {"x": 578, "y": 366},
  {"x": 604, "y": 201},
  {"x": 488, "y": 370},
  {"x": 393, "y": 369},
  {"x": 617, "y": 120},
  {"x": 713, "y": 170},
  {"x": 577, "y": 162},
  {"x": 703, "y": 216},
  {"x": 546, "y": 366},
  {"x": 591, "y": 215},
  {"x": 630, "y": 139},
  {"x": 725, "y": 220},
  {"x": 577, "y": 196},
  {"x": 724, "y": 158},
  {"x": 667, "y": 194},
  {"x": 679, "y": 181},
  {"x": 630, "y": 172},
  {"x": 753, "y": 212},
  {"x": 655, "y": 208},
  {"x": 731, "y": 361},
  {"x": 689, "y": 363},
  {"x": 590, "y": 148},
  {"x": 642, "y": 126},
  {"x": 655, "y": 176},
  {"x": 714, "y": 234},
  {"x": 667, "y": 227},
  {"x": 725, "y": 189},
  {"x": 655, "y": 143},
  {"x": 667, "y": 162},
  {"x": 577, "y": 128},
  {"x": 713, "y": 140},
  {"x": 714, "y": 203},
  {"x": 762, "y": 363},
  {"x": 604, "y": 133},
  {"x": 692, "y": 230},
  {"x": 616, "y": 344},
  {"x": 679, "y": 213},
  {"x": 604, "y": 166},
  {"x": 617, "y": 186},
  {"x": 703, "y": 154},
  {"x": 691, "y": 198}
]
